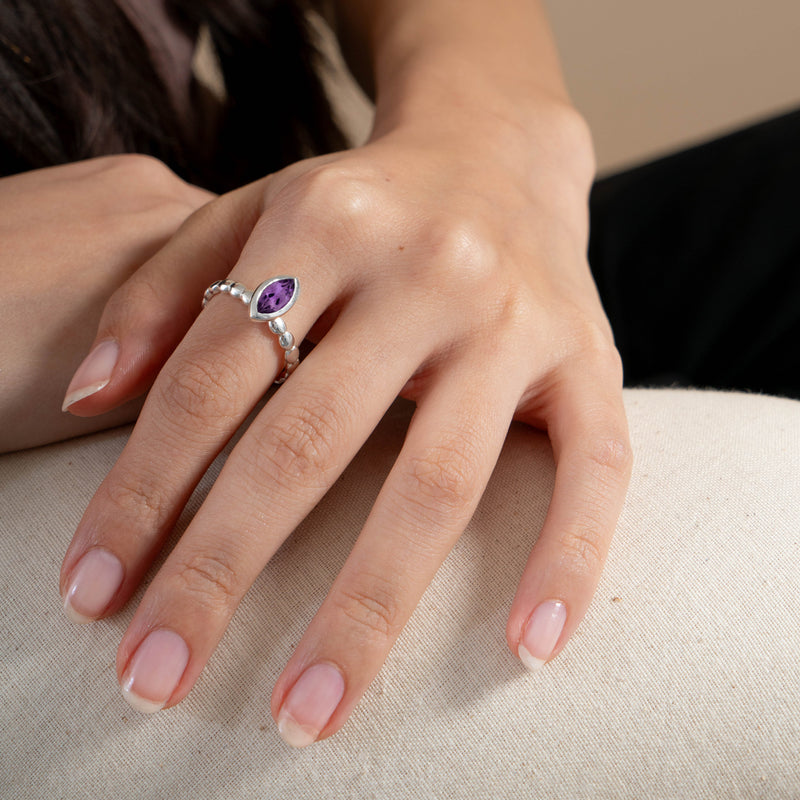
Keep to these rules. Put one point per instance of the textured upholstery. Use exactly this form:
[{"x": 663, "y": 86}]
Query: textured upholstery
[{"x": 683, "y": 680}]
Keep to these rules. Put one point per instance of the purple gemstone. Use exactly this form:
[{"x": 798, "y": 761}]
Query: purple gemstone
[{"x": 275, "y": 296}]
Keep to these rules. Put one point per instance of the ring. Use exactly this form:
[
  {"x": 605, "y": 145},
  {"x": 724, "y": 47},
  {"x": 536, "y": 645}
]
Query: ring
[{"x": 268, "y": 303}]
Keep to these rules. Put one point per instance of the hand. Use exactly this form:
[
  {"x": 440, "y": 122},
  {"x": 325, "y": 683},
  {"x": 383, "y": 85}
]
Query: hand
[
  {"x": 454, "y": 277},
  {"x": 70, "y": 236}
]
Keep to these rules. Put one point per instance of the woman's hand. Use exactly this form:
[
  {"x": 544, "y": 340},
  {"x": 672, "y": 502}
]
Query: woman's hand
[
  {"x": 443, "y": 261},
  {"x": 70, "y": 235}
]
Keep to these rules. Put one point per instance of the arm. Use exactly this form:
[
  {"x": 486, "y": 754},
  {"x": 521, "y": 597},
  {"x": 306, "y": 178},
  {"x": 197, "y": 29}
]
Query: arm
[
  {"x": 485, "y": 52},
  {"x": 463, "y": 65}
]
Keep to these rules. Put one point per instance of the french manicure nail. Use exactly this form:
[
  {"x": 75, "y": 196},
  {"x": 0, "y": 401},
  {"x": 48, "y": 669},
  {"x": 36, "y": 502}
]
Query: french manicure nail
[
  {"x": 93, "y": 374},
  {"x": 541, "y": 634},
  {"x": 155, "y": 670},
  {"x": 95, "y": 581},
  {"x": 310, "y": 704}
]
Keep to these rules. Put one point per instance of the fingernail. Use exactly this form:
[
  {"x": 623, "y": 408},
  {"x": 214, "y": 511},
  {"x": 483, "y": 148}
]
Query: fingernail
[
  {"x": 94, "y": 584},
  {"x": 93, "y": 374},
  {"x": 310, "y": 704},
  {"x": 541, "y": 634},
  {"x": 155, "y": 670}
]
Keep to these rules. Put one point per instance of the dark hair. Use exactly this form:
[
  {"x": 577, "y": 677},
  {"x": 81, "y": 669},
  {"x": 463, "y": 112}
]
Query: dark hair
[{"x": 77, "y": 80}]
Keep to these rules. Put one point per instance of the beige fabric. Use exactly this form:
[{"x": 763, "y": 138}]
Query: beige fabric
[{"x": 682, "y": 682}]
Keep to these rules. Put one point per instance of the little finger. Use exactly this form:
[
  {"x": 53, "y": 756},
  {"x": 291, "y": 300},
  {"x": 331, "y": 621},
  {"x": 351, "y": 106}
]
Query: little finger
[{"x": 589, "y": 434}]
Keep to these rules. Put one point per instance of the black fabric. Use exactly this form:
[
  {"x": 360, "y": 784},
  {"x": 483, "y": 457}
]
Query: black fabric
[{"x": 697, "y": 259}]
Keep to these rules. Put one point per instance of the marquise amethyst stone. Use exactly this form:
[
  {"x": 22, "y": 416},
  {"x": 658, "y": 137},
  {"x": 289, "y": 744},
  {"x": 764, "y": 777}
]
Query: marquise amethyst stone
[{"x": 276, "y": 296}]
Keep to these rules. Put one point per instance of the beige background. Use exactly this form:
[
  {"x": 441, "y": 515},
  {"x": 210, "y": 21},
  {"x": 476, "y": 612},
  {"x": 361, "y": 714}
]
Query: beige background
[{"x": 652, "y": 76}]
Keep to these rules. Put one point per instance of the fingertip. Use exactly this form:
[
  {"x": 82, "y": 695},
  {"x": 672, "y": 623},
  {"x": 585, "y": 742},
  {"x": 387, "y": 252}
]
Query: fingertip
[
  {"x": 81, "y": 394},
  {"x": 139, "y": 360},
  {"x": 532, "y": 663},
  {"x": 155, "y": 671},
  {"x": 310, "y": 704},
  {"x": 94, "y": 373},
  {"x": 541, "y": 634},
  {"x": 93, "y": 584}
]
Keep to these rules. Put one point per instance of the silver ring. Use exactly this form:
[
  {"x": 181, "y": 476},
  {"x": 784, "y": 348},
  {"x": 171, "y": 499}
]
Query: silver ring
[{"x": 268, "y": 303}]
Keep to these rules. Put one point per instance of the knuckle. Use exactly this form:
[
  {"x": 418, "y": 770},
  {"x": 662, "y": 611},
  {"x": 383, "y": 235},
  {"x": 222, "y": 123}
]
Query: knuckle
[
  {"x": 611, "y": 454},
  {"x": 200, "y": 392},
  {"x": 375, "y": 611},
  {"x": 514, "y": 313},
  {"x": 146, "y": 194},
  {"x": 441, "y": 481},
  {"x": 594, "y": 339},
  {"x": 137, "y": 497},
  {"x": 333, "y": 186},
  {"x": 209, "y": 578},
  {"x": 584, "y": 548},
  {"x": 608, "y": 357},
  {"x": 139, "y": 166},
  {"x": 591, "y": 341},
  {"x": 575, "y": 138},
  {"x": 462, "y": 241},
  {"x": 614, "y": 365},
  {"x": 301, "y": 447}
]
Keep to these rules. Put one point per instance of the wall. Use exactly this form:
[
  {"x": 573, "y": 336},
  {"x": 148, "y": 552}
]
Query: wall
[{"x": 651, "y": 76}]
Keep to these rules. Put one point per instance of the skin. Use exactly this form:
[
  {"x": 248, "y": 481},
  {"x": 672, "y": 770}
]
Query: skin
[
  {"x": 105, "y": 217},
  {"x": 444, "y": 261}
]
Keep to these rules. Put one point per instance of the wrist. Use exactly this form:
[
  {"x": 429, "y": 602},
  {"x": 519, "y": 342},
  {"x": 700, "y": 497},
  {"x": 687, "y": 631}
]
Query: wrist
[{"x": 443, "y": 97}]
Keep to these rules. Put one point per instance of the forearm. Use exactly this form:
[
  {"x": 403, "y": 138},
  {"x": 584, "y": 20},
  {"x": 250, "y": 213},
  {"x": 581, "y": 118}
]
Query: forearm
[{"x": 426, "y": 55}]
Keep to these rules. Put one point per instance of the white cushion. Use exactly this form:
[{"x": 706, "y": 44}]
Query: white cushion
[{"x": 683, "y": 680}]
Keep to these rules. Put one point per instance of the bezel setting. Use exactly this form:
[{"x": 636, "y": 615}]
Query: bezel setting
[{"x": 256, "y": 315}]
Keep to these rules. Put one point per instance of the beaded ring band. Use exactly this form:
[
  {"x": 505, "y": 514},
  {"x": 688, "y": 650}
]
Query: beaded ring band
[{"x": 268, "y": 303}]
